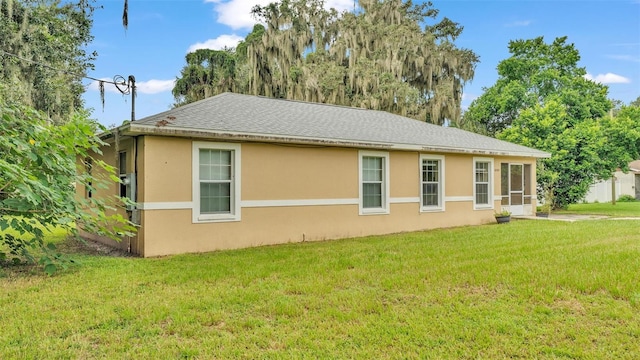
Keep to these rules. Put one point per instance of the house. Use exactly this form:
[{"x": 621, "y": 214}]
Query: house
[
  {"x": 625, "y": 184},
  {"x": 235, "y": 171}
]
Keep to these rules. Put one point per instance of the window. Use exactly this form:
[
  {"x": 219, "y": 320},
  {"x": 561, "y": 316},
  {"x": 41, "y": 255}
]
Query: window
[
  {"x": 483, "y": 183},
  {"x": 432, "y": 183},
  {"x": 122, "y": 172},
  {"x": 88, "y": 167},
  {"x": 374, "y": 182},
  {"x": 216, "y": 183}
]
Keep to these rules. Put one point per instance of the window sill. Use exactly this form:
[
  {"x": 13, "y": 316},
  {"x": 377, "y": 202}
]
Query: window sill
[
  {"x": 483, "y": 207},
  {"x": 206, "y": 219},
  {"x": 431, "y": 210},
  {"x": 374, "y": 211}
]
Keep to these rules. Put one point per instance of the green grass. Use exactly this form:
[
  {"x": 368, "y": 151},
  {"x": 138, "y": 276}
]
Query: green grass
[
  {"x": 527, "y": 289},
  {"x": 620, "y": 209}
]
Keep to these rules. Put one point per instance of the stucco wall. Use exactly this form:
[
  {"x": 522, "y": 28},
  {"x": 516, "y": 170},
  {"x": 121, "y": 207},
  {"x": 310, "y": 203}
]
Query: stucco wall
[
  {"x": 107, "y": 189},
  {"x": 274, "y": 175}
]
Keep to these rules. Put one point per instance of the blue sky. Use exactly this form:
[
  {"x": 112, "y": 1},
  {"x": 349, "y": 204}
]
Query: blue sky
[{"x": 162, "y": 32}]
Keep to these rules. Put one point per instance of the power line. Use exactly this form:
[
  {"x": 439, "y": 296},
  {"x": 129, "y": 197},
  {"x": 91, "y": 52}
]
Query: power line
[
  {"x": 62, "y": 71},
  {"x": 129, "y": 86}
]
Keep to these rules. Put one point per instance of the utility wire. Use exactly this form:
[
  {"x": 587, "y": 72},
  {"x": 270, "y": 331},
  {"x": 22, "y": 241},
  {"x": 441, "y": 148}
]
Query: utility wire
[
  {"x": 63, "y": 71},
  {"x": 129, "y": 89}
]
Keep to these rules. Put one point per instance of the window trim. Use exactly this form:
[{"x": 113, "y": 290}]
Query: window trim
[
  {"x": 490, "y": 190},
  {"x": 384, "y": 209},
  {"x": 441, "y": 181},
  {"x": 235, "y": 183}
]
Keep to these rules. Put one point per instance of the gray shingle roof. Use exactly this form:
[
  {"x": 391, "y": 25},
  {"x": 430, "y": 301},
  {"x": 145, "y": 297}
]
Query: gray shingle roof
[{"x": 247, "y": 116}]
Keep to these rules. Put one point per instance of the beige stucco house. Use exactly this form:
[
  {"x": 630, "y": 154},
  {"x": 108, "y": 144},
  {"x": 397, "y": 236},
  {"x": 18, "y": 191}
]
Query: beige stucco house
[{"x": 235, "y": 171}]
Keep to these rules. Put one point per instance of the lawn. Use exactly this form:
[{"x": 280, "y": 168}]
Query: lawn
[
  {"x": 620, "y": 209},
  {"x": 527, "y": 289}
]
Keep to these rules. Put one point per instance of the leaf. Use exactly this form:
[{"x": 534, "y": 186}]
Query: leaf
[{"x": 50, "y": 269}]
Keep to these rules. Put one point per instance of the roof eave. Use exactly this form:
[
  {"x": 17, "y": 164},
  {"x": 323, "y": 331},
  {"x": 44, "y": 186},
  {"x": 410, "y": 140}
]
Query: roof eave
[{"x": 138, "y": 129}]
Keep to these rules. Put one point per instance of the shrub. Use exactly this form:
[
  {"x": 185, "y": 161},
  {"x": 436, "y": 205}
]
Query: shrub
[{"x": 626, "y": 198}]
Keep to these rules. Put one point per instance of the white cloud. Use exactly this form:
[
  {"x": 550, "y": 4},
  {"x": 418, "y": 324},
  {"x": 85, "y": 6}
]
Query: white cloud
[
  {"x": 142, "y": 87},
  {"x": 218, "y": 43},
  {"x": 625, "y": 57},
  {"x": 154, "y": 86},
  {"x": 468, "y": 97},
  {"x": 608, "y": 78},
  {"x": 237, "y": 13},
  {"x": 519, "y": 23}
]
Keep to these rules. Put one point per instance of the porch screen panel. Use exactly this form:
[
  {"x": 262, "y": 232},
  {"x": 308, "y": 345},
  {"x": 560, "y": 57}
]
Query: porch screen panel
[
  {"x": 215, "y": 181},
  {"x": 372, "y": 181},
  {"x": 515, "y": 176},
  {"x": 527, "y": 184},
  {"x": 504, "y": 183}
]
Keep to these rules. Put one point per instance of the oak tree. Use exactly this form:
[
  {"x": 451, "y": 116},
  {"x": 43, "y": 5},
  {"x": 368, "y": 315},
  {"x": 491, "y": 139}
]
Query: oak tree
[{"x": 44, "y": 54}]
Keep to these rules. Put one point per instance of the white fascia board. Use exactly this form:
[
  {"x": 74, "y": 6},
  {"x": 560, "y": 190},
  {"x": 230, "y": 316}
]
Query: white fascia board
[{"x": 139, "y": 129}]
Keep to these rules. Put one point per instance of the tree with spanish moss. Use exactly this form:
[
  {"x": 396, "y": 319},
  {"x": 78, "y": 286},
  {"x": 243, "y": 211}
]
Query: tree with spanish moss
[
  {"x": 210, "y": 72},
  {"x": 378, "y": 57},
  {"x": 44, "y": 56}
]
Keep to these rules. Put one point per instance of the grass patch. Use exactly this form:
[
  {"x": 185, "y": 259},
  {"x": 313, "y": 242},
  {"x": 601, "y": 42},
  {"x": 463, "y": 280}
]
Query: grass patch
[
  {"x": 620, "y": 209},
  {"x": 527, "y": 289}
]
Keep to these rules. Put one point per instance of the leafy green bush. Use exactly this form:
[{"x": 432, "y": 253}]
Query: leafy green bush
[
  {"x": 626, "y": 198},
  {"x": 39, "y": 170}
]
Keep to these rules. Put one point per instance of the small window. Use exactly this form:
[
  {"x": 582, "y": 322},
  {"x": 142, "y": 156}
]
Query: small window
[
  {"x": 483, "y": 183},
  {"x": 122, "y": 172},
  {"x": 88, "y": 166},
  {"x": 432, "y": 182},
  {"x": 374, "y": 182},
  {"x": 216, "y": 188}
]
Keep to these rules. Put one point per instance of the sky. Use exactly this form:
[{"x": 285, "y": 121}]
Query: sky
[{"x": 162, "y": 32}]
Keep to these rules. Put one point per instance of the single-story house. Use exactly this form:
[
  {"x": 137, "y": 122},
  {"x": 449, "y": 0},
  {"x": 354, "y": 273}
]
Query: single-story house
[
  {"x": 625, "y": 184},
  {"x": 235, "y": 171}
]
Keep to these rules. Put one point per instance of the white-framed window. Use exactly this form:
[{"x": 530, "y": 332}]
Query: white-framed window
[
  {"x": 374, "y": 182},
  {"x": 482, "y": 183},
  {"x": 432, "y": 182},
  {"x": 216, "y": 181}
]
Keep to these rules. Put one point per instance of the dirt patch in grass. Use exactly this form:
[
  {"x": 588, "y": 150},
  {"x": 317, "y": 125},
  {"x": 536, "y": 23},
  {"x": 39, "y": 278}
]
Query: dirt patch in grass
[
  {"x": 83, "y": 246},
  {"x": 571, "y": 306}
]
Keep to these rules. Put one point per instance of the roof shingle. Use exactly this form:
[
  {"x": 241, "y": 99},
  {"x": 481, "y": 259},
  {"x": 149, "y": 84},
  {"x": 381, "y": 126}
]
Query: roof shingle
[{"x": 278, "y": 118}]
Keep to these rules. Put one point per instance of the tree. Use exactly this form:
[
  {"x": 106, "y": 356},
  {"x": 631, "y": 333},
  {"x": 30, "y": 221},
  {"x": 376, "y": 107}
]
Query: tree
[
  {"x": 377, "y": 58},
  {"x": 542, "y": 100},
  {"x": 635, "y": 102},
  {"x": 618, "y": 140},
  {"x": 535, "y": 73},
  {"x": 38, "y": 170},
  {"x": 575, "y": 157},
  {"x": 207, "y": 73},
  {"x": 211, "y": 72},
  {"x": 49, "y": 37}
]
